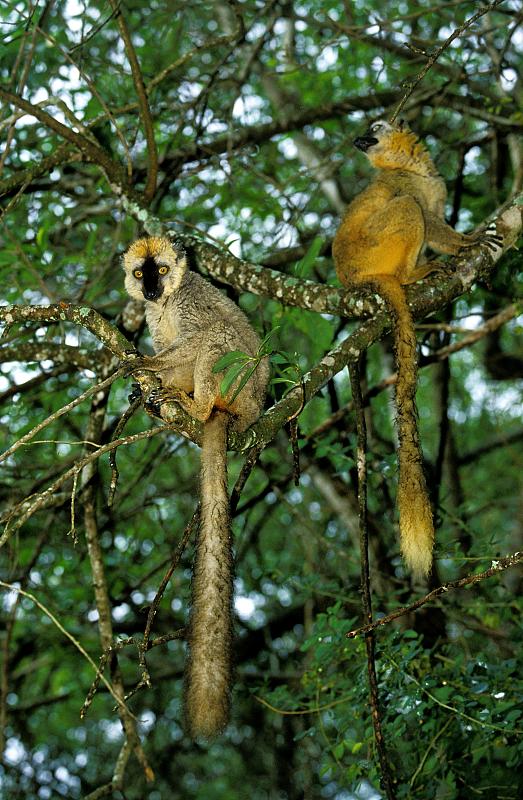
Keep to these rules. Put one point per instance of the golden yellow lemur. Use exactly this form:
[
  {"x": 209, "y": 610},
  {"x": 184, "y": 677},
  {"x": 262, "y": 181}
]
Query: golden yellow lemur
[
  {"x": 381, "y": 241},
  {"x": 192, "y": 325}
]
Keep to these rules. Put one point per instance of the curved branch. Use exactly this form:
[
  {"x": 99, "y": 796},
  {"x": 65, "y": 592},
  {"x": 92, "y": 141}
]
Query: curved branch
[
  {"x": 64, "y": 354},
  {"x": 351, "y": 304}
]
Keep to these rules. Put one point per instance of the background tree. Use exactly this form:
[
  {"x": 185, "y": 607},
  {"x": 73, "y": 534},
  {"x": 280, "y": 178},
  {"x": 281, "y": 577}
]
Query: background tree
[{"x": 231, "y": 125}]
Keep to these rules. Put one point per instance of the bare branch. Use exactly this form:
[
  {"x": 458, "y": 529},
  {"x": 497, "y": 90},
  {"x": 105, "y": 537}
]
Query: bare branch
[
  {"x": 30, "y": 505},
  {"x": 12, "y": 588},
  {"x": 361, "y": 462},
  {"x": 434, "y": 57},
  {"x": 497, "y": 567},
  {"x": 99, "y": 387},
  {"x": 145, "y": 112}
]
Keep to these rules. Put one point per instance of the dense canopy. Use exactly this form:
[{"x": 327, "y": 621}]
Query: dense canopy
[{"x": 230, "y": 125}]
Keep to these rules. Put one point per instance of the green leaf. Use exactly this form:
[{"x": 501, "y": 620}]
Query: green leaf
[
  {"x": 304, "y": 266},
  {"x": 230, "y": 376},
  {"x": 339, "y": 750},
  {"x": 230, "y": 358}
]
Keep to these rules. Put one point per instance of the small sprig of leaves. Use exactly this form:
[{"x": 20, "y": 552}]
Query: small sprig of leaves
[
  {"x": 287, "y": 370},
  {"x": 240, "y": 366}
]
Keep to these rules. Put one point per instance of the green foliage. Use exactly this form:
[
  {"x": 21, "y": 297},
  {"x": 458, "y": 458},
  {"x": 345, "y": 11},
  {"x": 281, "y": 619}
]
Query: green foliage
[{"x": 254, "y": 106}]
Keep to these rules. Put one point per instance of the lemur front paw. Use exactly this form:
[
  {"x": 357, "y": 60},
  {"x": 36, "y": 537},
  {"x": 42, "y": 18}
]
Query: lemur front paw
[
  {"x": 490, "y": 237},
  {"x": 165, "y": 395},
  {"x": 487, "y": 238},
  {"x": 136, "y": 393},
  {"x": 153, "y": 404}
]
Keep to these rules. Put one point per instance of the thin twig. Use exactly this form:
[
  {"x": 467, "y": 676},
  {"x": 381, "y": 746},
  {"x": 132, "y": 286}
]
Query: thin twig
[
  {"x": 61, "y": 411},
  {"x": 361, "y": 461},
  {"x": 122, "y": 422},
  {"x": 497, "y": 567},
  {"x": 90, "y": 485},
  {"x": 144, "y": 646},
  {"x": 33, "y": 503},
  {"x": 92, "y": 151},
  {"x": 248, "y": 466},
  {"x": 66, "y": 633},
  {"x": 474, "y": 336},
  {"x": 95, "y": 92},
  {"x": 293, "y": 436}
]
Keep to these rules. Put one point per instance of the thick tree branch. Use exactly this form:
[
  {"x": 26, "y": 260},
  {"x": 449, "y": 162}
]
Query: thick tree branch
[
  {"x": 424, "y": 298},
  {"x": 84, "y": 316},
  {"x": 64, "y": 354}
]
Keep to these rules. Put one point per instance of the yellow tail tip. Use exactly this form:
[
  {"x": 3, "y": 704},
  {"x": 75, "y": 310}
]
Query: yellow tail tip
[
  {"x": 416, "y": 533},
  {"x": 418, "y": 557}
]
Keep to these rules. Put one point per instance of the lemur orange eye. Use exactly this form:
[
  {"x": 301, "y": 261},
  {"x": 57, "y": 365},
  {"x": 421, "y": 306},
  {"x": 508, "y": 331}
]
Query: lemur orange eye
[
  {"x": 163, "y": 270},
  {"x": 137, "y": 273}
]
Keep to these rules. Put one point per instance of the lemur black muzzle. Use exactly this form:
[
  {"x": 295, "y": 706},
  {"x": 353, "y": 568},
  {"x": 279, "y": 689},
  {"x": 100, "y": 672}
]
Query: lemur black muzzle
[
  {"x": 364, "y": 142},
  {"x": 152, "y": 285}
]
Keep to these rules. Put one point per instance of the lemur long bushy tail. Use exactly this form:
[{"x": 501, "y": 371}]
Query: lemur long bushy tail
[
  {"x": 208, "y": 673},
  {"x": 415, "y": 515}
]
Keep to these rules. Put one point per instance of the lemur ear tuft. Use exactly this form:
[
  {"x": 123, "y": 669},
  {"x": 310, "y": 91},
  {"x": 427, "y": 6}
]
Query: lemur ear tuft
[
  {"x": 178, "y": 247},
  {"x": 402, "y": 124}
]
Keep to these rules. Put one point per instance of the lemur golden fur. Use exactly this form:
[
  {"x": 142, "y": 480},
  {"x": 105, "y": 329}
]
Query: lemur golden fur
[
  {"x": 381, "y": 241},
  {"x": 192, "y": 325}
]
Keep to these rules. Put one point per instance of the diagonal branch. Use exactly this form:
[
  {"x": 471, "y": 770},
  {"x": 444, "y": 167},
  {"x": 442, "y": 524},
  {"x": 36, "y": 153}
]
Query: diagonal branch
[
  {"x": 497, "y": 566},
  {"x": 31, "y": 504},
  {"x": 434, "y": 57},
  {"x": 99, "y": 387},
  {"x": 424, "y": 298}
]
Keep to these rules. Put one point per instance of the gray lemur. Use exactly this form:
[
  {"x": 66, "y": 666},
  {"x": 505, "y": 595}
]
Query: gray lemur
[{"x": 192, "y": 325}]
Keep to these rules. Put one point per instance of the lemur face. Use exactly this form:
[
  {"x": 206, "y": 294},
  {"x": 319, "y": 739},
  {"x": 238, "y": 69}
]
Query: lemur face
[
  {"x": 153, "y": 268},
  {"x": 373, "y": 135},
  {"x": 150, "y": 273},
  {"x": 391, "y": 146}
]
